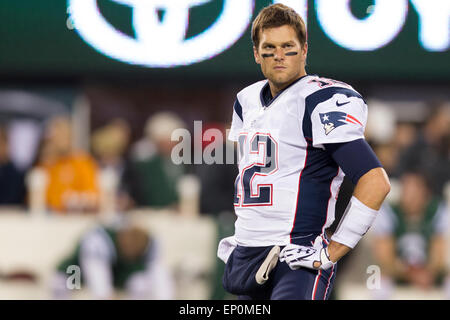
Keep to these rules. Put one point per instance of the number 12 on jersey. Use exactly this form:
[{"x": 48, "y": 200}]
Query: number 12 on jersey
[{"x": 263, "y": 148}]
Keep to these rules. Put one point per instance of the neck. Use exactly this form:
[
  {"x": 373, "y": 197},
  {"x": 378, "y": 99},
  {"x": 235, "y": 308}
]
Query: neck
[{"x": 276, "y": 88}]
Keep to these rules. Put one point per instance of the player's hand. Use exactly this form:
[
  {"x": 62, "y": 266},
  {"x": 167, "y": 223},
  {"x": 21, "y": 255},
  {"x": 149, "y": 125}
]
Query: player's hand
[{"x": 314, "y": 257}]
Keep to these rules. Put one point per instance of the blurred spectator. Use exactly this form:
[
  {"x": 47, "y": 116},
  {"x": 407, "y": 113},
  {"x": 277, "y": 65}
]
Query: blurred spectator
[
  {"x": 388, "y": 155},
  {"x": 389, "y": 152},
  {"x": 122, "y": 261},
  {"x": 71, "y": 174},
  {"x": 152, "y": 177},
  {"x": 405, "y": 134},
  {"x": 109, "y": 145},
  {"x": 409, "y": 242},
  {"x": 381, "y": 123},
  {"x": 430, "y": 151},
  {"x": 12, "y": 185}
]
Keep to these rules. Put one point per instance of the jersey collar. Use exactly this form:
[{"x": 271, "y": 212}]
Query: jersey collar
[{"x": 266, "y": 96}]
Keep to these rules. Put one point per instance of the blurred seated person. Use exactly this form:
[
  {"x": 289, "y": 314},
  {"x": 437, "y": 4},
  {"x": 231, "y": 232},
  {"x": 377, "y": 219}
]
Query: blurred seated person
[
  {"x": 152, "y": 176},
  {"x": 72, "y": 184},
  {"x": 109, "y": 145},
  {"x": 12, "y": 185},
  {"x": 121, "y": 261},
  {"x": 431, "y": 149},
  {"x": 410, "y": 241}
]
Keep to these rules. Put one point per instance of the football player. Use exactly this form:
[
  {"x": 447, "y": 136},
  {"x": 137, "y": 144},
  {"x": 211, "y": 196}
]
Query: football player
[{"x": 298, "y": 135}]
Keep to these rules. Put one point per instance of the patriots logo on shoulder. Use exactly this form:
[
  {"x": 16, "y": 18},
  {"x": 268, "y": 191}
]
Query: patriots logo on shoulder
[{"x": 334, "y": 119}]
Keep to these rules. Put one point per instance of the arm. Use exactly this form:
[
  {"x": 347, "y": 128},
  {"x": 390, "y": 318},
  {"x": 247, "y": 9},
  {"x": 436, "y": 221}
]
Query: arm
[
  {"x": 436, "y": 261},
  {"x": 371, "y": 190},
  {"x": 438, "y": 249},
  {"x": 155, "y": 282},
  {"x": 98, "y": 276},
  {"x": 346, "y": 145},
  {"x": 384, "y": 252},
  {"x": 95, "y": 263},
  {"x": 359, "y": 162},
  {"x": 384, "y": 245}
]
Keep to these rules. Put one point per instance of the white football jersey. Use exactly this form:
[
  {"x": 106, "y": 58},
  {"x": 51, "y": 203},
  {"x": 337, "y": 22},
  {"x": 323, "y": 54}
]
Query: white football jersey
[{"x": 287, "y": 184}]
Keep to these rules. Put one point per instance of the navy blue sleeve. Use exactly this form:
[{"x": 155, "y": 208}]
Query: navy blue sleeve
[{"x": 355, "y": 158}]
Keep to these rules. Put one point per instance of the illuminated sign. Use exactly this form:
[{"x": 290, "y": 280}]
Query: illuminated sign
[
  {"x": 161, "y": 42},
  {"x": 385, "y": 21},
  {"x": 378, "y": 29},
  {"x": 434, "y": 30},
  {"x": 201, "y": 39}
]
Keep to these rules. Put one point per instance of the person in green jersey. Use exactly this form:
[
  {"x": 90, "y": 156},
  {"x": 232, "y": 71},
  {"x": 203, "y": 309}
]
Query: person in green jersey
[
  {"x": 122, "y": 261},
  {"x": 410, "y": 236}
]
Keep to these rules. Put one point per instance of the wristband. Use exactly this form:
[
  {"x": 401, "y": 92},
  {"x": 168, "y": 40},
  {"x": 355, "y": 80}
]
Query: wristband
[{"x": 355, "y": 223}]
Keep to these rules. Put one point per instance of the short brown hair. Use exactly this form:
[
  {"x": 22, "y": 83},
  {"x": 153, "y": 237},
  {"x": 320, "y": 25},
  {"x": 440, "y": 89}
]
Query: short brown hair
[{"x": 278, "y": 15}]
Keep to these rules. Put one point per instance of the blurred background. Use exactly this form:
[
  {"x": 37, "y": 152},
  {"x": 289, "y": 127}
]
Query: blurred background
[{"x": 92, "y": 203}]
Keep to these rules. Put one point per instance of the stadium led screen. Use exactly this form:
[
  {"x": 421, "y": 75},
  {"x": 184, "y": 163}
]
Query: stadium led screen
[{"x": 361, "y": 39}]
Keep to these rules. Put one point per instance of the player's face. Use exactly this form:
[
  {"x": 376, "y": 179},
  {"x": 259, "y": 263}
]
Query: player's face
[{"x": 281, "y": 56}]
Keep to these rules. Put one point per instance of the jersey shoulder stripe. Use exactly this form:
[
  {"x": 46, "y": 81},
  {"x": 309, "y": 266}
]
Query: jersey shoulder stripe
[
  {"x": 320, "y": 96},
  {"x": 250, "y": 93},
  {"x": 247, "y": 97},
  {"x": 325, "y": 94},
  {"x": 238, "y": 109}
]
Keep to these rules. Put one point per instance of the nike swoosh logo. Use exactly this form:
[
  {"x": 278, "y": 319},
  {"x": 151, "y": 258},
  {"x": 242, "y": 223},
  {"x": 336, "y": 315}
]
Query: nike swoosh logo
[{"x": 341, "y": 104}]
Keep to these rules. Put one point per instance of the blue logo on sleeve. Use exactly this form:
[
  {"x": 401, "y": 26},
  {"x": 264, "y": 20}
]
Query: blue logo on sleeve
[{"x": 334, "y": 119}]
